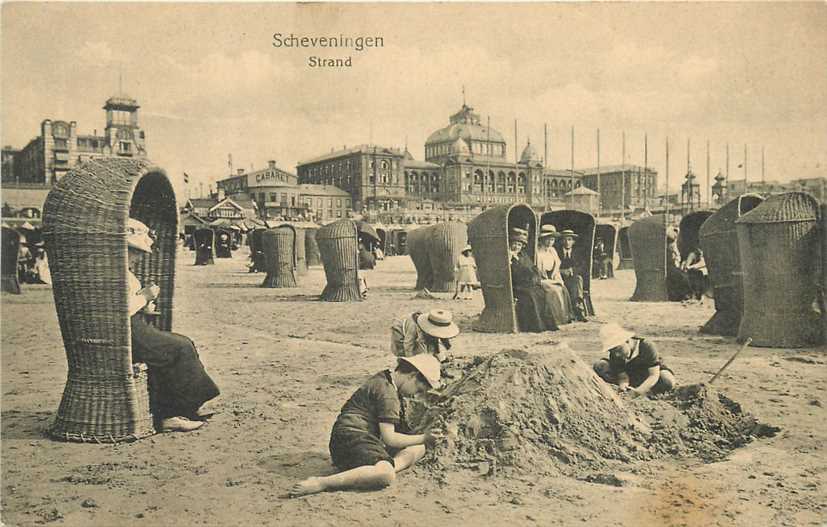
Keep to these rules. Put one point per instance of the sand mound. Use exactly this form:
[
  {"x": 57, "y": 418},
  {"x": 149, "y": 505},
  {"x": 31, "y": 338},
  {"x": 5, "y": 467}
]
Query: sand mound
[{"x": 547, "y": 412}]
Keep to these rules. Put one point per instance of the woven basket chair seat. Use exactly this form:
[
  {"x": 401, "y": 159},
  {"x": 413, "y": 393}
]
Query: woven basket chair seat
[
  {"x": 279, "y": 245},
  {"x": 624, "y": 247},
  {"x": 223, "y": 243},
  {"x": 719, "y": 242},
  {"x": 400, "y": 241},
  {"x": 780, "y": 248},
  {"x": 8, "y": 260},
  {"x": 435, "y": 251},
  {"x": 301, "y": 251},
  {"x": 84, "y": 224},
  {"x": 584, "y": 225},
  {"x": 689, "y": 229},
  {"x": 608, "y": 232},
  {"x": 647, "y": 239},
  {"x": 311, "y": 247},
  {"x": 339, "y": 251},
  {"x": 204, "y": 246},
  {"x": 488, "y": 236}
]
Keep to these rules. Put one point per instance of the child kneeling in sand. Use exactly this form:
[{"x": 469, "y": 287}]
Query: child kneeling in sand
[
  {"x": 364, "y": 443},
  {"x": 633, "y": 364}
]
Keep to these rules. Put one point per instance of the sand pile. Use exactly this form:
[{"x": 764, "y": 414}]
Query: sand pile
[{"x": 547, "y": 412}]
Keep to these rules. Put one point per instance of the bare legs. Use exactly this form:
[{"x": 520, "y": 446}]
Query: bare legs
[{"x": 377, "y": 476}]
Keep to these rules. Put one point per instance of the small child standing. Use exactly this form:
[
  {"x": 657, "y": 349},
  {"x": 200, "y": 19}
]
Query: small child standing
[
  {"x": 364, "y": 443},
  {"x": 466, "y": 274}
]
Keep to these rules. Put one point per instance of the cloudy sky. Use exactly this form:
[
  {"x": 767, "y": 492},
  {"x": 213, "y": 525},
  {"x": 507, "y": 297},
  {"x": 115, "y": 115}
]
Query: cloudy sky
[{"x": 210, "y": 82}]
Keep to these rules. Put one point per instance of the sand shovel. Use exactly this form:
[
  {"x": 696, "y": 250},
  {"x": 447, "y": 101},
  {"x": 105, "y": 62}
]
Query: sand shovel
[{"x": 692, "y": 389}]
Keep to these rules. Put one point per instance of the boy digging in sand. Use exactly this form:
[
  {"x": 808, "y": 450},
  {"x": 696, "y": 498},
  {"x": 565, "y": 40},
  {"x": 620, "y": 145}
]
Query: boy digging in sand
[{"x": 364, "y": 443}]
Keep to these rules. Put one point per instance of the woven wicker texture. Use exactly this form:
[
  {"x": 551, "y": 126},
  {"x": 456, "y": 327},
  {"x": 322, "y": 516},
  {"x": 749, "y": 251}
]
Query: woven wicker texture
[
  {"x": 584, "y": 225},
  {"x": 418, "y": 247},
  {"x": 311, "y": 247},
  {"x": 647, "y": 239},
  {"x": 383, "y": 237},
  {"x": 301, "y": 251},
  {"x": 488, "y": 236},
  {"x": 338, "y": 248},
  {"x": 608, "y": 233},
  {"x": 824, "y": 270},
  {"x": 435, "y": 251},
  {"x": 400, "y": 241},
  {"x": 688, "y": 231},
  {"x": 780, "y": 251},
  {"x": 719, "y": 242},
  {"x": 624, "y": 248},
  {"x": 279, "y": 247},
  {"x": 204, "y": 246},
  {"x": 8, "y": 261},
  {"x": 223, "y": 243},
  {"x": 84, "y": 226}
]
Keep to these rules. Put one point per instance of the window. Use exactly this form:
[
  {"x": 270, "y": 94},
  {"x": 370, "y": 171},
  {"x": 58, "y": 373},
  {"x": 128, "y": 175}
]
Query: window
[
  {"x": 339, "y": 202},
  {"x": 329, "y": 213},
  {"x": 329, "y": 203},
  {"x": 125, "y": 147},
  {"x": 339, "y": 213},
  {"x": 319, "y": 203},
  {"x": 61, "y": 144}
]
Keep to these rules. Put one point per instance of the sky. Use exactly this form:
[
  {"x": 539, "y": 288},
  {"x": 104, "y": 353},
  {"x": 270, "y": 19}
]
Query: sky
[{"x": 210, "y": 82}]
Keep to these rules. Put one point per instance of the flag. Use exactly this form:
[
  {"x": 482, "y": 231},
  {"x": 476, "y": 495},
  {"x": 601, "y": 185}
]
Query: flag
[{"x": 186, "y": 178}]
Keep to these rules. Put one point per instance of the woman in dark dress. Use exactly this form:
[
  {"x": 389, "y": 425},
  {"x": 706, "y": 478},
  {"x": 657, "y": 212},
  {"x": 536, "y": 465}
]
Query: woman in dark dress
[
  {"x": 180, "y": 382},
  {"x": 533, "y": 313}
]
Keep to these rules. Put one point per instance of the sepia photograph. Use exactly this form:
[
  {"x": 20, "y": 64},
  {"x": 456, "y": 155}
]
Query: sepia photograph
[{"x": 413, "y": 263}]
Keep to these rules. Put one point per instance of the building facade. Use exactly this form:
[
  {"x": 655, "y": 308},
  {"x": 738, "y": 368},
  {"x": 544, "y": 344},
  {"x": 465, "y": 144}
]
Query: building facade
[
  {"x": 626, "y": 186},
  {"x": 465, "y": 170}
]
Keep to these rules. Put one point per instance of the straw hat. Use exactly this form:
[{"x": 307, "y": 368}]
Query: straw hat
[
  {"x": 613, "y": 335},
  {"x": 427, "y": 365},
  {"x": 518, "y": 234},
  {"x": 438, "y": 323},
  {"x": 137, "y": 236},
  {"x": 568, "y": 233},
  {"x": 548, "y": 230}
]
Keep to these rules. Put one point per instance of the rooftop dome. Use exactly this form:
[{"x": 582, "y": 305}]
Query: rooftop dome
[
  {"x": 460, "y": 147},
  {"x": 465, "y": 124},
  {"x": 529, "y": 154}
]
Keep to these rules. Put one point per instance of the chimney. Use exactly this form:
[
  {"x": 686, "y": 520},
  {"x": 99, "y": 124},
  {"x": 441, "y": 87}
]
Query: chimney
[
  {"x": 220, "y": 193},
  {"x": 240, "y": 171},
  {"x": 271, "y": 163}
]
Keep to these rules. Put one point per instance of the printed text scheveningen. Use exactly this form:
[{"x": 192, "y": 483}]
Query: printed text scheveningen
[{"x": 357, "y": 43}]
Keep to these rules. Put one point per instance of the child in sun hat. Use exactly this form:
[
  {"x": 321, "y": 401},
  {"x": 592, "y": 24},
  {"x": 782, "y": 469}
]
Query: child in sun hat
[
  {"x": 633, "y": 363},
  {"x": 364, "y": 443},
  {"x": 183, "y": 384},
  {"x": 423, "y": 333},
  {"x": 466, "y": 274}
]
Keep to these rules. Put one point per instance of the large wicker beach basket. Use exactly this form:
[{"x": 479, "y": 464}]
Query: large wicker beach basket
[
  {"x": 204, "y": 246},
  {"x": 689, "y": 229},
  {"x": 624, "y": 248},
  {"x": 418, "y": 246},
  {"x": 339, "y": 251},
  {"x": 279, "y": 245},
  {"x": 824, "y": 270},
  {"x": 223, "y": 243},
  {"x": 608, "y": 233},
  {"x": 8, "y": 260},
  {"x": 719, "y": 242},
  {"x": 647, "y": 239},
  {"x": 584, "y": 225},
  {"x": 435, "y": 251},
  {"x": 84, "y": 224},
  {"x": 301, "y": 250},
  {"x": 780, "y": 248},
  {"x": 488, "y": 236},
  {"x": 311, "y": 247}
]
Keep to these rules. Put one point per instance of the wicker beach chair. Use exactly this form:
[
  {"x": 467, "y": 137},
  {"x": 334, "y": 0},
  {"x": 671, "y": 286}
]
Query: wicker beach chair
[
  {"x": 204, "y": 246},
  {"x": 780, "y": 247},
  {"x": 584, "y": 225},
  {"x": 106, "y": 396},
  {"x": 257, "y": 250},
  {"x": 647, "y": 239},
  {"x": 608, "y": 233},
  {"x": 223, "y": 243},
  {"x": 435, "y": 251},
  {"x": 339, "y": 251},
  {"x": 824, "y": 270},
  {"x": 301, "y": 250},
  {"x": 383, "y": 236},
  {"x": 488, "y": 236},
  {"x": 719, "y": 242},
  {"x": 624, "y": 248},
  {"x": 279, "y": 245},
  {"x": 311, "y": 247},
  {"x": 400, "y": 241},
  {"x": 8, "y": 261},
  {"x": 689, "y": 229}
]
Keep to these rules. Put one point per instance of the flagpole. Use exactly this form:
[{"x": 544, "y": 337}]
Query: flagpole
[
  {"x": 571, "y": 172},
  {"x": 645, "y": 171},
  {"x": 623, "y": 180},
  {"x": 599, "y": 200}
]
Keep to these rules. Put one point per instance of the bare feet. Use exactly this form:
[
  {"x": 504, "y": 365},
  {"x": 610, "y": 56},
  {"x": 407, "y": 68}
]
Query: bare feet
[{"x": 306, "y": 487}]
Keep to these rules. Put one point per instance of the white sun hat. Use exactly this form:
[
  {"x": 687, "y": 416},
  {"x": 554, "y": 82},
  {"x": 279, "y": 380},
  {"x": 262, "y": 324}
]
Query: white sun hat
[
  {"x": 613, "y": 335},
  {"x": 438, "y": 323},
  {"x": 427, "y": 365},
  {"x": 137, "y": 236}
]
